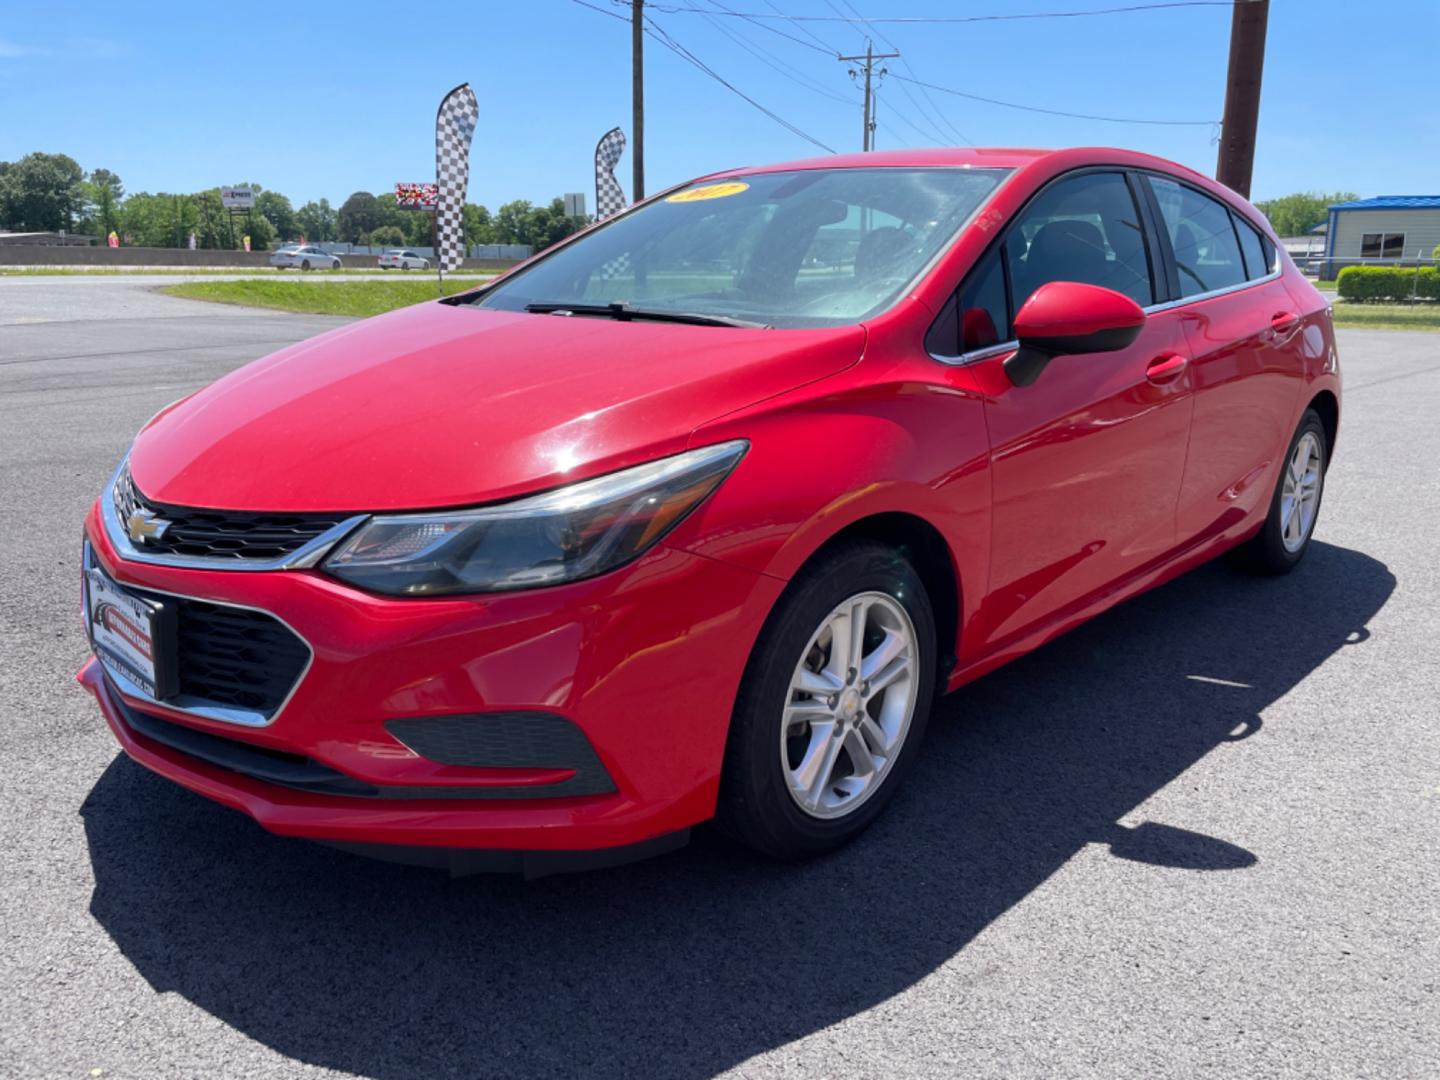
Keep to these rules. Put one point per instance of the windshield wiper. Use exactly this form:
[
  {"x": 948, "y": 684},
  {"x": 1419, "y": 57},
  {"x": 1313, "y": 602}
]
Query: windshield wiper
[{"x": 624, "y": 313}]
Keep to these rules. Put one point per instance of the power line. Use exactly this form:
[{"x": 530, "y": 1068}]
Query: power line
[
  {"x": 671, "y": 9},
  {"x": 680, "y": 50},
  {"x": 656, "y": 31},
  {"x": 818, "y": 46},
  {"x": 803, "y": 29},
  {"x": 935, "y": 109},
  {"x": 1056, "y": 112},
  {"x": 772, "y": 61}
]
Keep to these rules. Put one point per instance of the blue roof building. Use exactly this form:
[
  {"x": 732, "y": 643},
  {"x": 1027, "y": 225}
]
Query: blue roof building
[{"x": 1381, "y": 230}]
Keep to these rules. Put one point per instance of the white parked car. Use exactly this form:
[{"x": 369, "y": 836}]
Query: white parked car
[
  {"x": 403, "y": 259},
  {"x": 306, "y": 257}
]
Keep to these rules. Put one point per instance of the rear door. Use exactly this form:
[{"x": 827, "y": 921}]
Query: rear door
[
  {"x": 1247, "y": 359},
  {"x": 1086, "y": 462}
]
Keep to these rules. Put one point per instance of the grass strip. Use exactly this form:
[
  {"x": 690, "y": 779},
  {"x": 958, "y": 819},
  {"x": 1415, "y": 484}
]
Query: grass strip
[
  {"x": 1388, "y": 316},
  {"x": 358, "y": 299}
]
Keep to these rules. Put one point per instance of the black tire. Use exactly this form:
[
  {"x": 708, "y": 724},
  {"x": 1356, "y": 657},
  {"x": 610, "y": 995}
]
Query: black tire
[
  {"x": 1266, "y": 552},
  {"x": 404, "y": 265},
  {"x": 755, "y": 805},
  {"x": 305, "y": 264}
]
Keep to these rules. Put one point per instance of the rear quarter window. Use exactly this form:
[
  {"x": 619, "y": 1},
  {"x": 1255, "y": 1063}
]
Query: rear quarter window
[
  {"x": 1257, "y": 264},
  {"x": 1207, "y": 252}
]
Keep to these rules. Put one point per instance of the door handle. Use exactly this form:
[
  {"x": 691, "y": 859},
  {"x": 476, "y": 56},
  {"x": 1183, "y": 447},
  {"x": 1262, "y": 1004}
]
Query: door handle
[
  {"x": 1163, "y": 369},
  {"x": 1283, "y": 321}
]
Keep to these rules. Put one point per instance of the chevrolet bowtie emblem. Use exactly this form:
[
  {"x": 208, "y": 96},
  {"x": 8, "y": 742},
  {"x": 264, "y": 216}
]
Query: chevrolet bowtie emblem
[{"x": 145, "y": 525}]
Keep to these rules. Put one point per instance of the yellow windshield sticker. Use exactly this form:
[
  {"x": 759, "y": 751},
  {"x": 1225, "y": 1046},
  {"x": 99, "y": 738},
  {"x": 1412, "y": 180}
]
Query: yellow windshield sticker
[{"x": 710, "y": 191}]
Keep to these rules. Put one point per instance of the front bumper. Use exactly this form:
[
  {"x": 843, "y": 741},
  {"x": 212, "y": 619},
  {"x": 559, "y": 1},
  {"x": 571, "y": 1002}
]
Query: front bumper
[{"x": 644, "y": 661}]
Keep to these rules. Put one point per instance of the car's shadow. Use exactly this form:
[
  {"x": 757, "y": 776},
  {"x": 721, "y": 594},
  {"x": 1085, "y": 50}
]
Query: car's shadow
[{"x": 689, "y": 964}]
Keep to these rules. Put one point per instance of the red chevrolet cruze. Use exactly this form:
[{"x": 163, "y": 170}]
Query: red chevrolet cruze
[{"x": 695, "y": 515}]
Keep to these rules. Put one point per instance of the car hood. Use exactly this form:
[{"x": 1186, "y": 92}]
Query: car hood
[{"x": 443, "y": 405}]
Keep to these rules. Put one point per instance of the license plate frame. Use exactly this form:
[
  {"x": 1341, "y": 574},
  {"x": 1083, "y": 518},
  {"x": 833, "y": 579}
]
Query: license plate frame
[{"x": 133, "y": 636}]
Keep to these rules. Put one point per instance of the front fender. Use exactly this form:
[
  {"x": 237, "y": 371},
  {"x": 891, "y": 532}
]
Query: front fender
[{"x": 818, "y": 466}]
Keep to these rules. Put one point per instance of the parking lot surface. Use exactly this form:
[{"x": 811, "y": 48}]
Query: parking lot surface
[{"x": 1196, "y": 837}]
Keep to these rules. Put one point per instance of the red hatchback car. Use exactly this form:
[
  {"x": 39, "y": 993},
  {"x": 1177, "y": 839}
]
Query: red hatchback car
[{"x": 694, "y": 515}]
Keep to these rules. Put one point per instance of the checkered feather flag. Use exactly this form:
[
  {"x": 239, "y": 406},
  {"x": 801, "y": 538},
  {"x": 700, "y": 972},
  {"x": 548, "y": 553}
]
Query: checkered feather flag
[
  {"x": 454, "y": 128},
  {"x": 609, "y": 199}
]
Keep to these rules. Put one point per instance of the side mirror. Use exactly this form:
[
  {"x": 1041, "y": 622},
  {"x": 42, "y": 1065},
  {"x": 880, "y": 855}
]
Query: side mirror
[{"x": 1063, "y": 318}]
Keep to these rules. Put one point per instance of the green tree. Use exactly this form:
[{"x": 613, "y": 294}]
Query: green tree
[
  {"x": 41, "y": 193},
  {"x": 162, "y": 220},
  {"x": 278, "y": 212},
  {"x": 317, "y": 221},
  {"x": 387, "y": 236},
  {"x": 102, "y": 194},
  {"x": 478, "y": 226},
  {"x": 1296, "y": 215},
  {"x": 358, "y": 214}
]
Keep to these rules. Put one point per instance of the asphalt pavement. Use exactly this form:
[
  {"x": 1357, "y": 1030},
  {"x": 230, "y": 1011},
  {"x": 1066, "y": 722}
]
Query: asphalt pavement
[{"x": 1197, "y": 837}]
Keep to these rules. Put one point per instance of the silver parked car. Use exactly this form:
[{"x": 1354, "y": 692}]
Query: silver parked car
[
  {"x": 305, "y": 256},
  {"x": 403, "y": 259}
]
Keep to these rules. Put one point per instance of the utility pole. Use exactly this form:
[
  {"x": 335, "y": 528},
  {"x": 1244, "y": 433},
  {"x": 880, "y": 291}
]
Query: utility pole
[
  {"x": 1236, "y": 160},
  {"x": 867, "y": 143},
  {"x": 637, "y": 98}
]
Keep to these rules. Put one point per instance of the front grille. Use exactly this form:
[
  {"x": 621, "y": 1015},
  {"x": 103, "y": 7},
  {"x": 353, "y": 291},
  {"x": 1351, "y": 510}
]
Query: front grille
[
  {"x": 236, "y": 657},
  {"x": 221, "y": 534}
]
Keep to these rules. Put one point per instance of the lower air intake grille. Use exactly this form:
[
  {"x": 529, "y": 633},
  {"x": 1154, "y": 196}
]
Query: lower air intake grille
[{"x": 236, "y": 657}]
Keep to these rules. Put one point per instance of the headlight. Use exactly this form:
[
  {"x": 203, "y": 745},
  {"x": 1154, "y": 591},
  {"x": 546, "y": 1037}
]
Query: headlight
[{"x": 563, "y": 535}]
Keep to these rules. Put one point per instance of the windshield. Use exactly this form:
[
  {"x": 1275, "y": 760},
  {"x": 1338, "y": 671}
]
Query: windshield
[{"x": 809, "y": 248}]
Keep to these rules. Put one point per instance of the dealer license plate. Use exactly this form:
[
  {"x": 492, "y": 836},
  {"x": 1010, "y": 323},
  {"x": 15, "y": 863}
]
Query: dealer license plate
[{"x": 133, "y": 636}]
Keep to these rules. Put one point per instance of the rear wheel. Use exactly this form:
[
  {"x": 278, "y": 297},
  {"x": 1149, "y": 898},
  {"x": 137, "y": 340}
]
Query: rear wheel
[
  {"x": 1284, "y": 538},
  {"x": 833, "y": 705}
]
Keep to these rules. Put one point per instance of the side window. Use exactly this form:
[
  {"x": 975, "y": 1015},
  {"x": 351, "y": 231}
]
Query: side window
[
  {"x": 980, "y": 306},
  {"x": 1207, "y": 254},
  {"x": 1256, "y": 264},
  {"x": 1084, "y": 229},
  {"x": 976, "y": 315}
]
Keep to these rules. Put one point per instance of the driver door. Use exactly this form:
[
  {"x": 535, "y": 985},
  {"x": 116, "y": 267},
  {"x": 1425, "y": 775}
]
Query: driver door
[{"x": 1086, "y": 462}]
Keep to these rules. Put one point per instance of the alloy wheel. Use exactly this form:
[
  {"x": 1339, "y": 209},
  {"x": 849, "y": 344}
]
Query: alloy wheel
[
  {"x": 1300, "y": 492},
  {"x": 850, "y": 704}
]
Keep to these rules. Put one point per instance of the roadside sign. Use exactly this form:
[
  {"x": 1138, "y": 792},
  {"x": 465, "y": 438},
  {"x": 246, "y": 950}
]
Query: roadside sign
[
  {"x": 237, "y": 198},
  {"x": 574, "y": 204},
  {"x": 416, "y": 196}
]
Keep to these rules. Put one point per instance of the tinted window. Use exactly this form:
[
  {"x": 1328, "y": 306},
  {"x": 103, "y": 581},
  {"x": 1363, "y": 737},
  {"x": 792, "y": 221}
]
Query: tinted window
[
  {"x": 976, "y": 316},
  {"x": 1382, "y": 245},
  {"x": 1256, "y": 265},
  {"x": 1084, "y": 229},
  {"x": 1207, "y": 255},
  {"x": 981, "y": 310}
]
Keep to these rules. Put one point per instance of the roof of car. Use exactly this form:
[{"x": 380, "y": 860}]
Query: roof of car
[
  {"x": 974, "y": 156},
  {"x": 1019, "y": 158}
]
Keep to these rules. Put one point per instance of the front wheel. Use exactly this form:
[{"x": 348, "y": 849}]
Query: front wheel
[
  {"x": 833, "y": 705},
  {"x": 1284, "y": 538},
  {"x": 305, "y": 265}
]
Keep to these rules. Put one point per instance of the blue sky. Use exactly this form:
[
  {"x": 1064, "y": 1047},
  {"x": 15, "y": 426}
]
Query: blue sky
[{"x": 323, "y": 98}]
